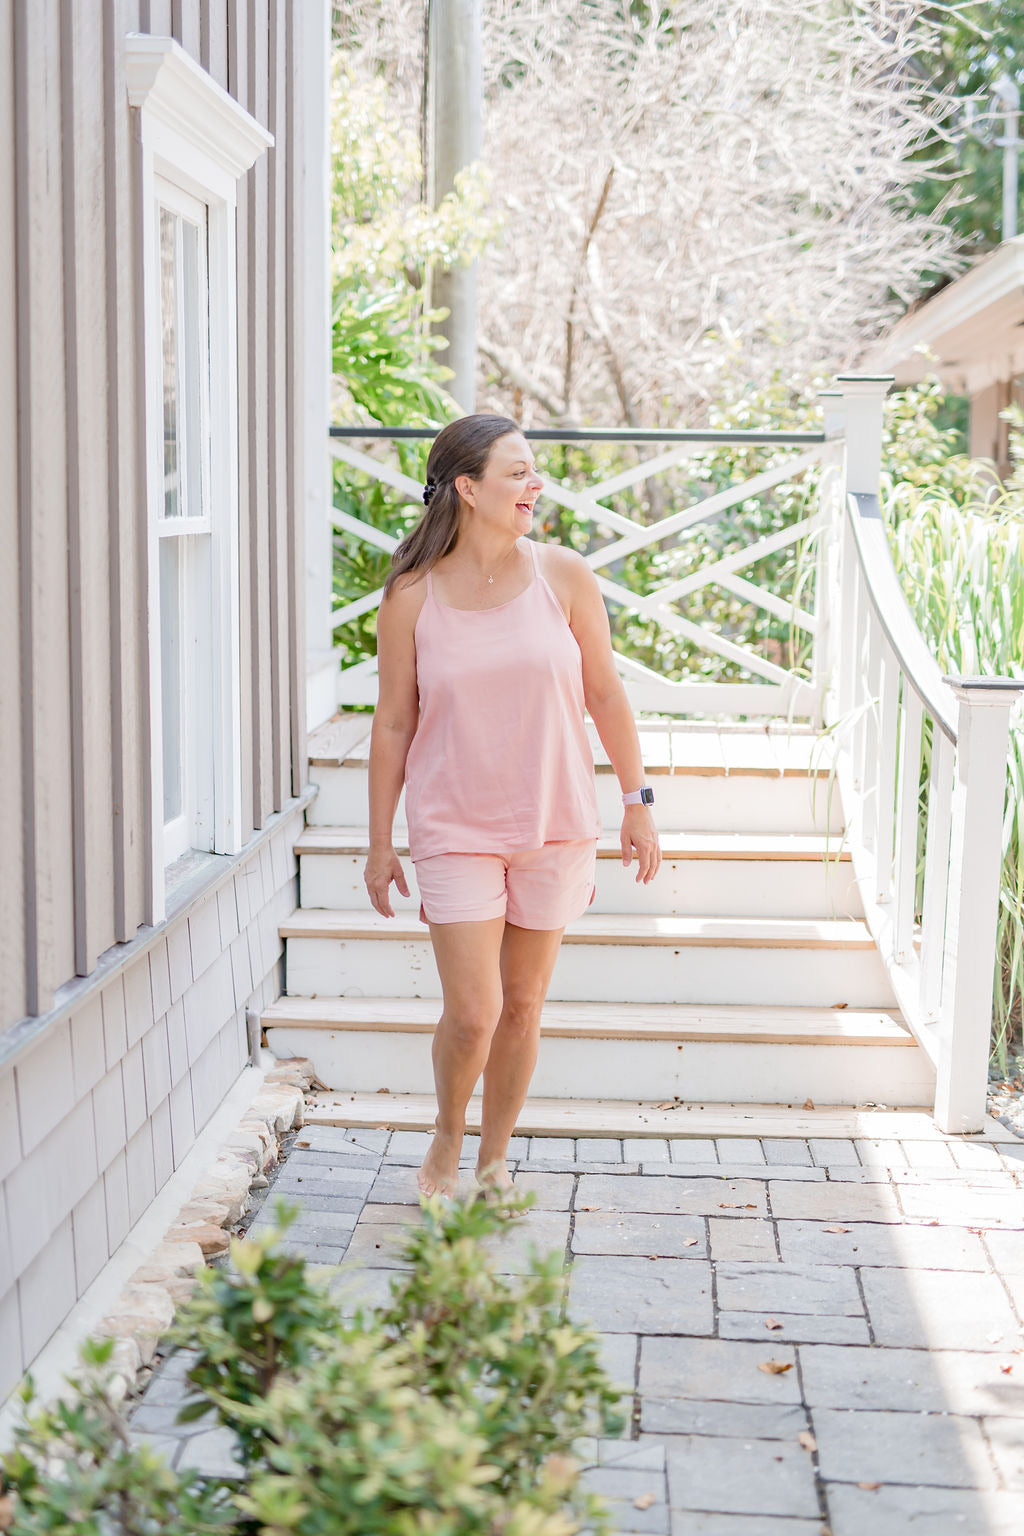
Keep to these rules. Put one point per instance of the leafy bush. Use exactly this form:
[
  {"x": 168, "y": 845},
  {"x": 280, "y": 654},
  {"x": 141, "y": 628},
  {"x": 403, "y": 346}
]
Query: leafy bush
[{"x": 452, "y": 1411}]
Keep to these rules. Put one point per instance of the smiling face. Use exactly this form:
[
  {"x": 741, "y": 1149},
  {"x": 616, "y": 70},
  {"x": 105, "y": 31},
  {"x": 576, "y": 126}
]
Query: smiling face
[{"x": 504, "y": 496}]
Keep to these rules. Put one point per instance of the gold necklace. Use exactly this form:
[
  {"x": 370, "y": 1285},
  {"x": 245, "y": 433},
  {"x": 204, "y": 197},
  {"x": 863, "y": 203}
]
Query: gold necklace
[{"x": 497, "y": 568}]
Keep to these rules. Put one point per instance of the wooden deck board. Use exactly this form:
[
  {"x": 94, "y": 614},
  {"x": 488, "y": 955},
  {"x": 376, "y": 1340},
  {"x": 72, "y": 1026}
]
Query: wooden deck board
[
  {"x": 610, "y": 928},
  {"x": 613, "y": 1118},
  {"x": 613, "y": 1021}
]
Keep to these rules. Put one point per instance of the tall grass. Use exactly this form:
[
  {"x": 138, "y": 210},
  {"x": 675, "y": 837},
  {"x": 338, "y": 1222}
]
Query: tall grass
[{"x": 960, "y": 557}]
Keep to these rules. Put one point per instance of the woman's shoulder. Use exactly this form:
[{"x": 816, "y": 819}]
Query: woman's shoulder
[{"x": 406, "y": 596}]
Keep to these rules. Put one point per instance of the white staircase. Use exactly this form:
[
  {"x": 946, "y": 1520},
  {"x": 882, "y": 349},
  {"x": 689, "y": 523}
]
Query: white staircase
[{"x": 743, "y": 975}]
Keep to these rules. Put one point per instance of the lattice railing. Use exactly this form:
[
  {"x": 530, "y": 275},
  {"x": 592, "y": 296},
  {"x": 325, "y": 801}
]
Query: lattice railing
[{"x": 772, "y": 689}]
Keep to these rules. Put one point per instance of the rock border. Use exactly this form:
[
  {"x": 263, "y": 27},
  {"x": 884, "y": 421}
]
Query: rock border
[{"x": 147, "y": 1304}]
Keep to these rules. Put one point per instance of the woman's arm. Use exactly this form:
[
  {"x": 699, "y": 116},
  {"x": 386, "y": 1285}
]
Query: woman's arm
[
  {"x": 611, "y": 712},
  {"x": 394, "y": 726}
]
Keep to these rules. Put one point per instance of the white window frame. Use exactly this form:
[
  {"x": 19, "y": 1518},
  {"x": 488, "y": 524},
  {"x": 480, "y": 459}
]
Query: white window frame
[{"x": 195, "y": 138}]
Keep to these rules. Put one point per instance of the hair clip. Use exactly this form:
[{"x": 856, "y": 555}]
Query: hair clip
[{"x": 428, "y": 491}]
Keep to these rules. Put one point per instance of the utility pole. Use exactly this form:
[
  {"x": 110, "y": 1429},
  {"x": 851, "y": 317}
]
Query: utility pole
[
  {"x": 1007, "y": 92},
  {"x": 454, "y": 87}
]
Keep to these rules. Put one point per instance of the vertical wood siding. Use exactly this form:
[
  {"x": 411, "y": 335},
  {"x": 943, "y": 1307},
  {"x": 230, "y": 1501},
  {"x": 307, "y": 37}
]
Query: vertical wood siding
[
  {"x": 74, "y": 747},
  {"x": 13, "y": 974}
]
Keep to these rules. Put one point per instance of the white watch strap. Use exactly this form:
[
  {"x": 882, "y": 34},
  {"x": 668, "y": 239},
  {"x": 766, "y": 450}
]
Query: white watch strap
[{"x": 634, "y": 797}]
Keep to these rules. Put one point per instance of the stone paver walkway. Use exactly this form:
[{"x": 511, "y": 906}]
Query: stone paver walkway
[{"x": 813, "y": 1338}]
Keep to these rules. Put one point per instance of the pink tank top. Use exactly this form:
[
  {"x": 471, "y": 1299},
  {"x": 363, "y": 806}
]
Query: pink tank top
[{"x": 500, "y": 759}]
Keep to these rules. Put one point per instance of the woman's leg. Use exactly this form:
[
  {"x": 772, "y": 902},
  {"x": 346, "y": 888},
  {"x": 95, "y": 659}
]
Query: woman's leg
[
  {"x": 468, "y": 962},
  {"x": 527, "y": 960}
]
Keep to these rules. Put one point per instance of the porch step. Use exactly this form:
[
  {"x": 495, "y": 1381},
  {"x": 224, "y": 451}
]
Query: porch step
[
  {"x": 794, "y": 874},
  {"x": 703, "y": 779},
  {"x": 640, "y": 958},
  {"x": 577, "y": 1117},
  {"x": 615, "y": 1051}
]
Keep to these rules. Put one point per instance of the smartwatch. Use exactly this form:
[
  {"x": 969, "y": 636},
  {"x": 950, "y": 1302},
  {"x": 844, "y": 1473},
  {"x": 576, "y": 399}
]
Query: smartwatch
[{"x": 643, "y": 796}]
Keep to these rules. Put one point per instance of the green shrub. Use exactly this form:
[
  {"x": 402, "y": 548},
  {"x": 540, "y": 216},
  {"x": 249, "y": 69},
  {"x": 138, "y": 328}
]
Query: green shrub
[{"x": 452, "y": 1411}]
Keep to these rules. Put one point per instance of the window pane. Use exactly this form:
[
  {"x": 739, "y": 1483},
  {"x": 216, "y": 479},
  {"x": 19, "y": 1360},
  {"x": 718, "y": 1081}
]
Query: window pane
[
  {"x": 171, "y": 634},
  {"x": 183, "y": 334},
  {"x": 169, "y": 332}
]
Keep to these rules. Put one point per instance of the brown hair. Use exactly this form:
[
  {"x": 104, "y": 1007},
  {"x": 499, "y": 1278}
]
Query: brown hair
[{"x": 461, "y": 448}]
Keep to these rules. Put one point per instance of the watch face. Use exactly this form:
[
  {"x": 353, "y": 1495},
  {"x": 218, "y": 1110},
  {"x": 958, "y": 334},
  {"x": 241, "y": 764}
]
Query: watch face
[{"x": 648, "y": 795}]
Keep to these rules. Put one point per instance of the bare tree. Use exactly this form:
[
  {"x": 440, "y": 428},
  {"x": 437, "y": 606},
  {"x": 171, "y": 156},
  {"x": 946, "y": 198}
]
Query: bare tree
[{"x": 684, "y": 187}]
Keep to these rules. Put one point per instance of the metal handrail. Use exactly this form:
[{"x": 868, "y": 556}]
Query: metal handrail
[{"x": 602, "y": 435}]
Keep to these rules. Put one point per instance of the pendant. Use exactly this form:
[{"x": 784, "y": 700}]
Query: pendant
[{"x": 490, "y": 581}]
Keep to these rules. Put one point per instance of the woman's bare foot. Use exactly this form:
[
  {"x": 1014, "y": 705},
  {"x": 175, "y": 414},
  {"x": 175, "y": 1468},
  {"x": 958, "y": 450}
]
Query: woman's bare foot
[
  {"x": 439, "y": 1173},
  {"x": 494, "y": 1176}
]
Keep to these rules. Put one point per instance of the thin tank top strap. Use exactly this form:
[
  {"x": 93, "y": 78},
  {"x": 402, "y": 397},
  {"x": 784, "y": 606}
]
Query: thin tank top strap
[
  {"x": 430, "y": 583},
  {"x": 531, "y": 545}
]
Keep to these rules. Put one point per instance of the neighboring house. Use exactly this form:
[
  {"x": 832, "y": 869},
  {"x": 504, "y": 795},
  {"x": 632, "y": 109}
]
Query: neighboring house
[
  {"x": 971, "y": 333},
  {"x": 163, "y": 422}
]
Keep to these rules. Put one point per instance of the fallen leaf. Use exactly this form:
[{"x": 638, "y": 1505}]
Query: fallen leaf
[
  {"x": 869, "y": 1486},
  {"x": 689, "y": 1242},
  {"x": 840, "y": 1005},
  {"x": 590, "y": 1207},
  {"x": 668, "y": 1105},
  {"x": 383, "y": 1090},
  {"x": 774, "y": 1367},
  {"x": 772, "y": 1322},
  {"x": 302, "y": 1143},
  {"x": 645, "y": 1500},
  {"x": 808, "y": 1104},
  {"x": 729, "y": 1205},
  {"x": 807, "y": 1440},
  {"x": 751, "y": 1205},
  {"x": 1007, "y": 1367},
  {"x": 835, "y": 1229}
]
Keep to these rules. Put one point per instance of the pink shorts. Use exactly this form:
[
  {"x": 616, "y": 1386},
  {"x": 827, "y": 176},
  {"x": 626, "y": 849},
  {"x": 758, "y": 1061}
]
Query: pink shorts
[{"x": 532, "y": 887}]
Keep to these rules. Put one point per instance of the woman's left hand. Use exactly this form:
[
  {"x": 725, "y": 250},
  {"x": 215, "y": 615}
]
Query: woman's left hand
[{"x": 639, "y": 832}]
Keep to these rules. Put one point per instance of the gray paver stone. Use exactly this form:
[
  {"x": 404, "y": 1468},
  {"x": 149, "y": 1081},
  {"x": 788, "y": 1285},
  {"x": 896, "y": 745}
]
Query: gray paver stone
[
  {"x": 741, "y": 1240},
  {"x": 1006, "y": 1437},
  {"x": 797, "y": 1328},
  {"x": 166, "y": 1446},
  {"x": 677, "y": 1237},
  {"x": 618, "y": 1352},
  {"x": 740, "y": 1149},
  {"x": 878, "y": 1244},
  {"x": 800, "y": 1173},
  {"x": 826, "y": 1151},
  {"x": 938, "y": 1309},
  {"x": 643, "y": 1149},
  {"x": 159, "y": 1418},
  {"x": 896, "y": 1511},
  {"x": 747, "y": 1477},
  {"x": 211, "y": 1451},
  {"x": 550, "y": 1191},
  {"x": 352, "y": 1286},
  {"x": 314, "y": 1251},
  {"x": 692, "y": 1149},
  {"x": 345, "y": 1155},
  {"x": 786, "y": 1149},
  {"x": 960, "y": 1205},
  {"x": 667, "y": 1193},
  {"x": 690, "y": 1523},
  {"x": 819, "y": 1288},
  {"x": 909, "y": 1379},
  {"x": 598, "y": 1149},
  {"x": 552, "y": 1149},
  {"x": 546, "y": 1232},
  {"x": 377, "y": 1245},
  {"x": 833, "y": 1202},
  {"x": 351, "y": 1183},
  {"x": 396, "y": 1186},
  {"x": 944, "y": 1450},
  {"x": 620, "y": 1295},
  {"x": 726, "y": 1369},
  {"x": 740, "y": 1421},
  {"x": 308, "y": 1199},
  {"x": 644, "y": 1455}
]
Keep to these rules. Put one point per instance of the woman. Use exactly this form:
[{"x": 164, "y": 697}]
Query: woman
[{"x": 489, "y": 645}]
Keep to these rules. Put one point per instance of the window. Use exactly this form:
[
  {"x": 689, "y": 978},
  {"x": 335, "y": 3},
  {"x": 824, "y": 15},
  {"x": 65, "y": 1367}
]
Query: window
[{"x": 196, "y": 143}]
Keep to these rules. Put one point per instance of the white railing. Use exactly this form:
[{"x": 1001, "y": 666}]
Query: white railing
[
  {"x": 874, "y": 689},
  {"x": 778, "y": 690},
  {"x": 886, "y": 698}
]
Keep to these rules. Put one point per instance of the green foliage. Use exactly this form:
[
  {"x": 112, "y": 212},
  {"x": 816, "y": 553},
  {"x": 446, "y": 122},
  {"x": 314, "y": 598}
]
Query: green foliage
[
  {"x": 976, "y": 42},
  {"x": 74, "y": 1472},
  {"x": 452, "y": 1411}
]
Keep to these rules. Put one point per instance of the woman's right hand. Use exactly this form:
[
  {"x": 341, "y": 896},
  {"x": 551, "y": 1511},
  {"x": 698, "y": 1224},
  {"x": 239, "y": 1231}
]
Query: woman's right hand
[{"x": 382, "y": 867}]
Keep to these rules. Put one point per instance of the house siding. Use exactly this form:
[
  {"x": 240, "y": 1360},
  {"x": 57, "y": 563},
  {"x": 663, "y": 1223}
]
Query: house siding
[{"x": 118, "y": 1041}]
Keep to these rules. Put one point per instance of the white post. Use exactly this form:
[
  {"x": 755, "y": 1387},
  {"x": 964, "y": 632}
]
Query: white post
[
  {"x": 965, "y": 1022},
  {"x": 454, "y": 94},
  {"x": 863, "y": 396},
  {"x": 313, "y": 39}
]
